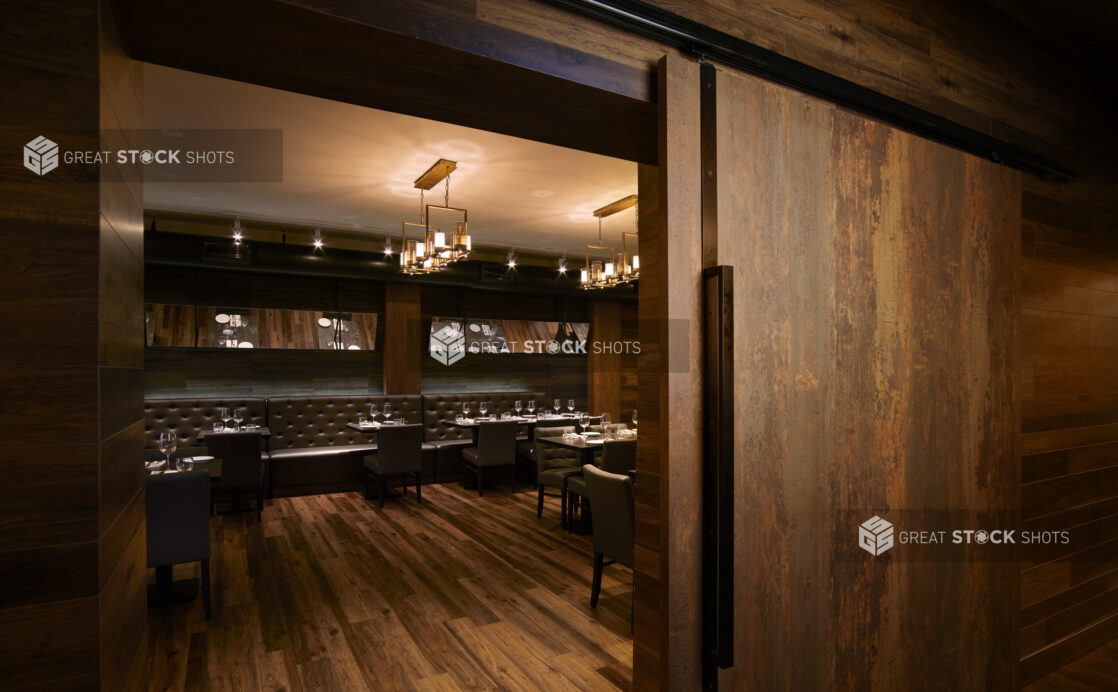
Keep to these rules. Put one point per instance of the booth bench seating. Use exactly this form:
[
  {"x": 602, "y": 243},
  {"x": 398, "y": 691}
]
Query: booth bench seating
[{"x": 311, "y": 449}]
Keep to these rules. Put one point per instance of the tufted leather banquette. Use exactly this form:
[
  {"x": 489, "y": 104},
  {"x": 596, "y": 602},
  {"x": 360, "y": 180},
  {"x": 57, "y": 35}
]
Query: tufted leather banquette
[
  {"x": 187, "y": 417},
  {"x": 449, "y": 441},
  {"x": 311, "y": 444},
  {"x": 312, "y": 449}
]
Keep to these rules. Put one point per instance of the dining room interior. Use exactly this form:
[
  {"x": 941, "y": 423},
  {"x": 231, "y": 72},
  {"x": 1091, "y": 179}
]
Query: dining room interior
[{"x": 559, "y": 344}]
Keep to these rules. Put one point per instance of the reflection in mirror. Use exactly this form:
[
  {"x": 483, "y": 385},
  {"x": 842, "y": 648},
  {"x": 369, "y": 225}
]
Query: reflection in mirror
[
  {"x": 509, "y": 336},
  {"x": 225, "y": 327}
]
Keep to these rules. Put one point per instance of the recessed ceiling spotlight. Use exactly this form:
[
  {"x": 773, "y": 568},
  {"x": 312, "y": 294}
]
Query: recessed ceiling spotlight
[
  {"x": 318, "y": 242},
  {"x": 563, "y": 264},
  {"x": 237, "y": 234},
  {"x": 512, "y": 260},
  {"x": 388, "y": 246},
  {"x": 541, "y": 193}
]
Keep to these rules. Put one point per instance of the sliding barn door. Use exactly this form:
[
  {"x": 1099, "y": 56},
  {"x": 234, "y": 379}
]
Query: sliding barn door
[{"x": 874, "y": 289}]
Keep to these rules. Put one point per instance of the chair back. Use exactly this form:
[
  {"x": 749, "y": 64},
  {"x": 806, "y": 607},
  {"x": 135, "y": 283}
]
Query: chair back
[
  {"x": 611, "y": 499},
  {"x": 549, "y": 456},
  {"x": 400, "y": 448},
  {"x": 178, "y": 513},
  {"x": 619, "y": 456},
  {"x": 496, "y": 443},
  {"x": 241, "y": 462}
]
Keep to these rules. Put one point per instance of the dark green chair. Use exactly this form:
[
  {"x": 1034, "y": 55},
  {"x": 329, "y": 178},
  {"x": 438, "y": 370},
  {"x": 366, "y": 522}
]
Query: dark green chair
[
  {"x": 611, "y": 496},
  {"x": 553, "y": 466},
  {"x": 496, "y": 447},
  {"x": 616, "y": 456}
]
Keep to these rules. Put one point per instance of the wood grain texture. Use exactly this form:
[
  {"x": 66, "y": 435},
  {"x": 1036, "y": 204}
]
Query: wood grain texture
[
  {"x": 604, "y": 368},
  {"x": 666, "y": 639},
  {"x": 403, "y": 338},
  {"x": 331, "y": 592},
  {"x": 1069, "y": 428},
  {"x": 875, "y": 341}
]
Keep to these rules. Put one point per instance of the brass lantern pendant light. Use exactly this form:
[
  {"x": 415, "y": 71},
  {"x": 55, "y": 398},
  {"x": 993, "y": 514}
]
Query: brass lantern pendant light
[
  {"x": 617, "y": 270},
  {"x": 435, "y": 251}
]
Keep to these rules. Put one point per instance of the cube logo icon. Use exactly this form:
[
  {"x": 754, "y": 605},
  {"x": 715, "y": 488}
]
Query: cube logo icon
[
  {"x": 40, "y": 155},
  {"x": 875, "y": 535},
  {"x": 448, "y": 345}
]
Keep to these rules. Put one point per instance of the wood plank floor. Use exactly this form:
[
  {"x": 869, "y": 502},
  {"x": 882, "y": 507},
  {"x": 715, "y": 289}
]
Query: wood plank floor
[
  {"x": 1097, "y": 670},
  {"x": 330, "y": 592}
]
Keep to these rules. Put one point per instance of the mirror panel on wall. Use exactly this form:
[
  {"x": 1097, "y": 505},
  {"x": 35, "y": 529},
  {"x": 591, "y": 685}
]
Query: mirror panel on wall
[
  {"x": 509, "y": 336},
  {"x": 230, "y": 327}
]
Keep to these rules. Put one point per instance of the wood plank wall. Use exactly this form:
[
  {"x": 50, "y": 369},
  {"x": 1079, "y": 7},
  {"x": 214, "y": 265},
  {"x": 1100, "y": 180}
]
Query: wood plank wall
[
  {"x": 73, "y": 611},
  {"x": 1069, "y": 425},
  {"x": 875, "y": 340},
  {"x": 604, "y": 368},
  {"x": 122, "y": 541}
]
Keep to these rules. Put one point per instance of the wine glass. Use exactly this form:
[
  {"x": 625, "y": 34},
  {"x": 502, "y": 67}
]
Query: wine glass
[
  {"x": 517, "y": 407},
  {"x": 482, "y": 409},
  {"x": 223, "y": 414},
  {"x": 531, "y": 407},
  {"x": 165, "y": 446},
  {"x": 238, "y": 416},
  {"x": 172, "y": 445},
  {"x": 556, "y": 406},
  {"x": 466, "y": 409},
  {"x": 373, "y": 413},
  {"x": 634, "y": 419},
  {"x": 387, "y": 413},
  {"x": 584, "y": 420},
  {"x": 571, "y": 405}
]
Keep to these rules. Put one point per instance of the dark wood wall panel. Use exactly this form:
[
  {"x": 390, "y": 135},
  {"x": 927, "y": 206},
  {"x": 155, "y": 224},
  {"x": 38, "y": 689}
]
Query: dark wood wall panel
[
  {"x": 875, "y": 360},
  {"x": 122, "y": 548},
  {"x": 1069, "y": 425},
  {"x": 403, "y": 338},
  {"x": 604, "y": 367}
]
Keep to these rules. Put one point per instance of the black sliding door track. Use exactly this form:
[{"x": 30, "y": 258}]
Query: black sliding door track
[{"x": 707, "y": 43}]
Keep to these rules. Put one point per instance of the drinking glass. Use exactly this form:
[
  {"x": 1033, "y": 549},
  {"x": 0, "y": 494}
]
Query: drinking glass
[
  {"x": 606, "y": 430},
  {"x": 584, "y": 420},
  {"x": 219, "y": 426},
  {"x": 387, "y": 412},
  {"x": 238, "y": 416},
  {"x": 516, "y": 407},
  {"x": 571, "y": 405},
  {"x": 223, "y": 414},
  {"x": 186, "y": 464},
  {"x": 172, "y": 445},
  {"x": 482, "y": 409},
  {"x": 531, "y": 406},
  {"x": 373, "y": 412},
  {"x": 165, "y": 446},
  {"x": 362, "y": 419},
  {"x": 556, "y": 406},
  {"x": 466, "y": 409}
]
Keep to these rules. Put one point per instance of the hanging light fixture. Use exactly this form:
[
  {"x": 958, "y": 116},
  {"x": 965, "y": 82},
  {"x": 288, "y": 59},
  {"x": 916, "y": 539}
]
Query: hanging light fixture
[
  {"x": 629, "y": 265},
  {"x": 435, "y": 251},
  {"x": 602, "y": 272}
]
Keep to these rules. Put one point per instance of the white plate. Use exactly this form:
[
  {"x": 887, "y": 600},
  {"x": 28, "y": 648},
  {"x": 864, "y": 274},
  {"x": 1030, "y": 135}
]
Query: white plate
[
  {"x": 475, "y": 327},
  {"x": 221, "y": 318},
  {"x": 202, "y": 460},
  {"x": 588, "y": 434},
  {"x": 354, "y": 347},
  {"x": 244, "y": 344},
  {"x": 324, "y": 322}
]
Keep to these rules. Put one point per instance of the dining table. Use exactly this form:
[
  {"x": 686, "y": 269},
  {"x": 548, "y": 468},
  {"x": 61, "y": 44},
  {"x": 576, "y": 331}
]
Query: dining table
[{"x": 206, "y": 432}]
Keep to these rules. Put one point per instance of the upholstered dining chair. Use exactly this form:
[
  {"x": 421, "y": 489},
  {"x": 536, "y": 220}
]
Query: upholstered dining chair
[
  {"x": 242, "y": 464},
  {"x": 496, "y": 448},
  {"x": 178, "y": 523},
  {"x": 611, "y": 496},
  {"x": 399, "y": 454},
  {"x": 553, "y": 466},
  {"x": 617, "y": 456}
]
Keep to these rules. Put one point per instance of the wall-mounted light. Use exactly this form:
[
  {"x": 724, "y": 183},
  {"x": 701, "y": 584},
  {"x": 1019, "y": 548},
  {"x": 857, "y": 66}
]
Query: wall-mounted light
[{"x": 318, "y": 242}]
